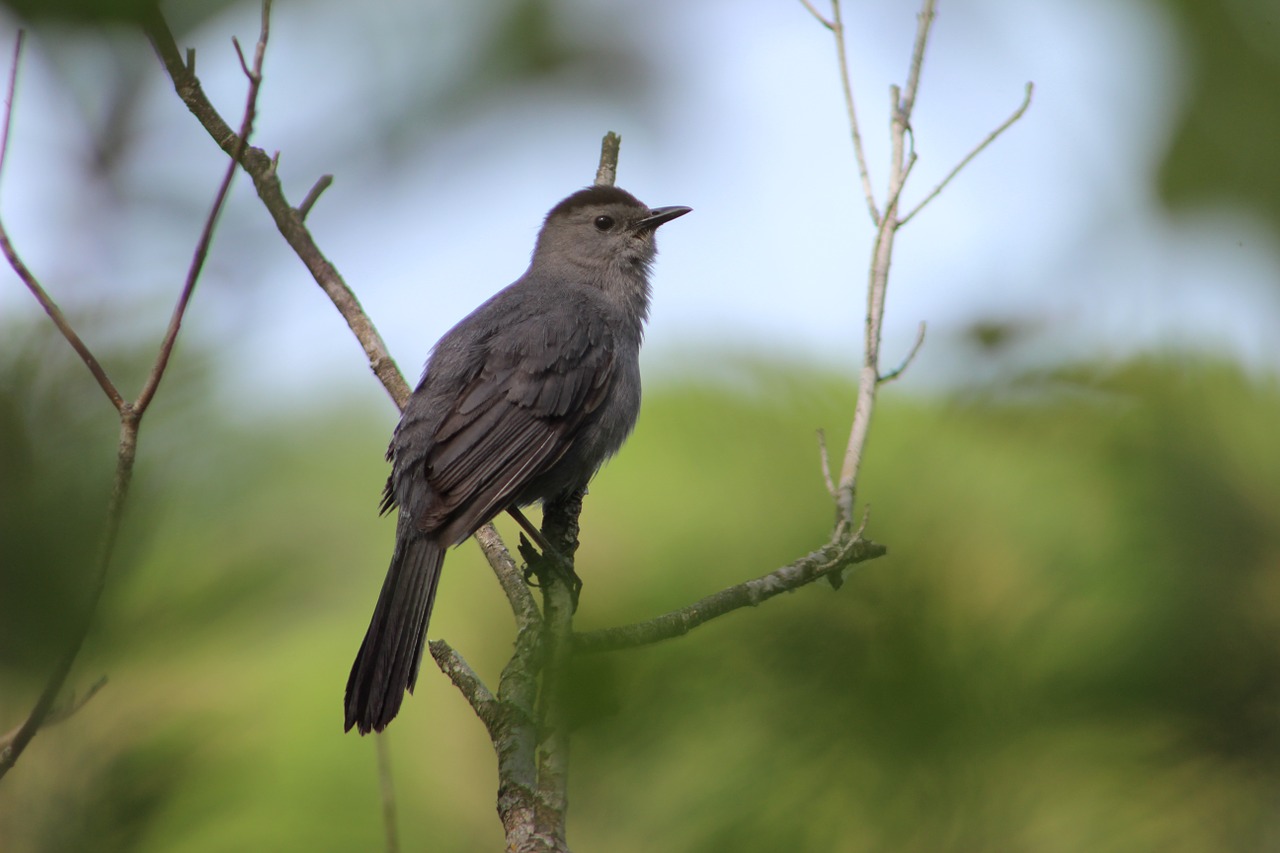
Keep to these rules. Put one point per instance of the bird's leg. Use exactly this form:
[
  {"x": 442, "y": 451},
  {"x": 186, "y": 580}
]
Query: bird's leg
[{"x": 551, "y": 558}]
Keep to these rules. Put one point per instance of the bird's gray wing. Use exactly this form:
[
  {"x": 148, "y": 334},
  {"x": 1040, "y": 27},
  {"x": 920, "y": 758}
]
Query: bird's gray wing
[{"x": 538, "y": 383}]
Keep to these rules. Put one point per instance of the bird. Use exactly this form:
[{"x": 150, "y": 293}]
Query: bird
[{"x": 522, "y": 401}]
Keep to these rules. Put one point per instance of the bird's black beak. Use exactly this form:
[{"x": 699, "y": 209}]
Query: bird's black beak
[{"x": 659, "y": 215}]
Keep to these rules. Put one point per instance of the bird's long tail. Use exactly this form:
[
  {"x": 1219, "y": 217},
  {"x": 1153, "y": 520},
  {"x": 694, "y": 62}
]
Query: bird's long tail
[{"x": 387, "y": 663}]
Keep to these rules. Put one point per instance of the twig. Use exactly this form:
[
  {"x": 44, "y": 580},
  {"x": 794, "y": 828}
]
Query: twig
[
  {"x": 126, "y": 453},
  {"x": 607, "y": 171},
  {"x": 809, "y": 568},
  {"x": 906, "y": 362},
  {"x": 262, "y": 170},
  {"x": 924, "y": 22},
  {"x": 509, "y": 576},
  {"x": 468, "y": 683},
  {"x": 817, "y": 15},
  {"x": 902, "y": 159},
  {"x": 826, "y": 463},
  {"x": 837, "y": 28},
  {"x": 28, "y": 278},
  {"x": 58, "y": 713},
  {"x": 211, "y": 221},
  {"x": 313, "y": 195},
  {"x": 977, "y": 149}
]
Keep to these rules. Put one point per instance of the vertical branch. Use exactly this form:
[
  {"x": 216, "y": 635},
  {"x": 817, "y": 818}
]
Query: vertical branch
[
  {"x": 125, "y": 455},
  {"x": 902, "y": 158},
  {"x": 560, "y": 528},
  {"x": 130, "y": 413},
  {"x": 607, "y": 172},
  {"x": 878, "y": 275}
]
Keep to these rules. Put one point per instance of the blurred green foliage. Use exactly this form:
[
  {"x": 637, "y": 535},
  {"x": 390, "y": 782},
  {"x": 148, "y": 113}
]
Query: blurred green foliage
[
  {"x": 1222, "y": 152},
  {"x": 1074, "y": 642}
]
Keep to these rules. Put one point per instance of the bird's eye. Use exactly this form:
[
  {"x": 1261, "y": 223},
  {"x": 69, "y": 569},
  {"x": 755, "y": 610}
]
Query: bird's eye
[{"x": 604, "y": 223}]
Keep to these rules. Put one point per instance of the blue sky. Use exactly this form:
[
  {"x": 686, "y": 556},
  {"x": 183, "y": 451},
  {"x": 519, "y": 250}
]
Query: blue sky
[{"x": 1056, "y": 224}]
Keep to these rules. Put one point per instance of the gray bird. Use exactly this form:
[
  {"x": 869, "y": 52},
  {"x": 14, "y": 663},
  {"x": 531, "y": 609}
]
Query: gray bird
[{"x": 522, "y": 401}]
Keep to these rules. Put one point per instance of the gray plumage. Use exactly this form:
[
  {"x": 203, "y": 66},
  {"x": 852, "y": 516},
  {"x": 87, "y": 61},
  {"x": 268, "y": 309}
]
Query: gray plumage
[{"x": 521, "y": 401}]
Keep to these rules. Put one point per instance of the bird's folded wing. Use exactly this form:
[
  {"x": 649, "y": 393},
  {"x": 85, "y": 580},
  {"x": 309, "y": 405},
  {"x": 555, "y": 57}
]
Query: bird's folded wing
[{"x": 515, "y": 420}]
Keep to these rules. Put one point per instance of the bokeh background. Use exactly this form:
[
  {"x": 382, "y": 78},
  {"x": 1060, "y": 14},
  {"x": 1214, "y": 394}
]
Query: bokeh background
[{"x": 1074, "y": 642}]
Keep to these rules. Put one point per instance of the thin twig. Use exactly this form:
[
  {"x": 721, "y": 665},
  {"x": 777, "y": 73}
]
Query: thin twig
[
  {"x": 478, "y": 696},
  {"x": 509, "y": 576},
  {"x": 826, "y": 463},
  {"x": 313, "y": 195},
  {"x": 607, "y": 171},
  {"x": 837, "y": 29},
  {"x": 977, "y": 149},
  {"x": 924, "y": 22},
  {"x": 28, "y": 278},
  {"x": 261, "y": 168},
  {"x": 830, "y": 558},
  {"x": 817, "y": 15},
  {"x": 58, "y": 713},
  {"x": 906, "y": 362},
  {"x": 211, "y": 221},
  {"x": 126, "y": 454}
]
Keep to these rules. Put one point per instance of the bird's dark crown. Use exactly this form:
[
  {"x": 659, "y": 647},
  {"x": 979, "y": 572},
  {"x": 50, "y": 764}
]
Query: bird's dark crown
[{"x": 593, "y": 196}]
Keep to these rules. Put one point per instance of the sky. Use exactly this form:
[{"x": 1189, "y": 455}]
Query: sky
[{"x": 1055, "y": 226}]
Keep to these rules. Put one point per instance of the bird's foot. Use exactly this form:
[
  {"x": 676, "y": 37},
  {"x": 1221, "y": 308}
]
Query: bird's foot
[{"x": 549, "y": 565}]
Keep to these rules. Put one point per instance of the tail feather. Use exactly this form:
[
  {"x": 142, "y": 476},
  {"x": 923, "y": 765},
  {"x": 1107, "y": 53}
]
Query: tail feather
[{"x": 387, "y": 663}]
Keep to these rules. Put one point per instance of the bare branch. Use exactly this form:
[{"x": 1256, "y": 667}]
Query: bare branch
[
  {"x": 818, "y": 15},
  {"x": 837, "y": 28},
  {"x": 977, "y": 149},
  {"x": 130, "y": 418},
  {"x": 211, "y": 221},
  {"x": 267, "y": 183},
  {"x": 28, "y": 278},
  {"x": 906, "y": 362},
  {"x": 607, "y": 173},
  {"x": 468, "y": 683},
  {"x": 313, "y": 195},
  {"x": 126, "y": 453},
  {"x": 57, "y": 713},
  {"x": 509, "y": 576},
  {"x": 826, "y": 560},
  {"x": 826, "y": 463},
  {"x": 924, "y": 21}
]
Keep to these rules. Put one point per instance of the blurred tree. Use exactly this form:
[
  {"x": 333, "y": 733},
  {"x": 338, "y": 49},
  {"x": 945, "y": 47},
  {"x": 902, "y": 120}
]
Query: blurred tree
[{"x": 1223, "y": 149}]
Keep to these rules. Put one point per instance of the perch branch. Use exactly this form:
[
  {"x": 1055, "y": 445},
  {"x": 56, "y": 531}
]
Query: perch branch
[{"x": 831, "y": 558}]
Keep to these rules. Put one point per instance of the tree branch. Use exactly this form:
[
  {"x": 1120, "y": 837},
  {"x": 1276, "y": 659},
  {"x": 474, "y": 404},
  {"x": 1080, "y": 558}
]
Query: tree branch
[
  {"x": 607, "y": 172},
  {"x": 906, "y": 362},
  {"x": 28, "y": 278},
  {"x": 902, "y": 159},
  {"x": 836, "y": 26},
  {"x": 254, "y": 75},
  {"x": 289, "y": 221},
  {"x": 468, "y": 683},
  {"x": 977, "y": 149},
  {"x": 130, "y": 414},
  {"x": 829, "y": 559}
]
